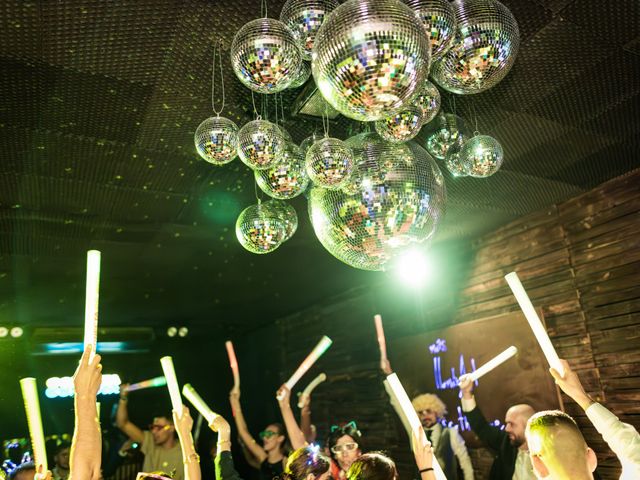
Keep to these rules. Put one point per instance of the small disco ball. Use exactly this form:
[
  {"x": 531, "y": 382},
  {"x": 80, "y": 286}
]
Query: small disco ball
[
  {"x": 329, "y": 163},
  {"x": 287, "y": 178},
  {"x": 288, "y": 215},
  {"x": 429, "y": 101},
  {"x": 443, "y": 132},
  {"x": 481, "y": 156},
  {"x": 260, "y": 229},
  {"x": 453, "y": 164},
  {"x": 483, "y": 52},
  {"x": 216, "y": 140},
  {"x": 302, "y": 75},
  {"x": 285, "y": 134},
  {"x": 439, "y": 19},
  {"x": 304, "y": 17},
  {"x": 310, "y": 140},
  {"x": 265, "y": 55},
  {"x": 370, "y": 57},
  {"x": 402, "y": 126},
  {"x": 399, "y": 204},
  {"x": 260, "y": 143}
]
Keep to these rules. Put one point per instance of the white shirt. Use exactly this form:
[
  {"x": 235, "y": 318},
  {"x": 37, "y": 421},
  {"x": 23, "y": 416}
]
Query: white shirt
[{"x": 622, "y": 439}]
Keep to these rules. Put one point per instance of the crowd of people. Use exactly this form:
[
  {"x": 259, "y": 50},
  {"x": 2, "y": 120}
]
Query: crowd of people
[{"x": 532, "y": 445}]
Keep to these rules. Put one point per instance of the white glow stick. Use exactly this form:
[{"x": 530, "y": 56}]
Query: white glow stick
[
  {"x": 92, "y": 294},
  {"x": 34, "y": 420},
  {"x": 307, "y": 391},
  {"x": 402, "y": 399},
  {"x": 534, "y": 322},
  {"x": 172, "y": 383},
  {"x": 493, "y": 363},
  {"x": 196, "y": 400},
  {"x": 98, "y": 410},
  {"x": 151, "y": 383},
  {"x": 382, "y": 343},
  {"x": 233, "y": 362},
  {"x": 306, "y": 364}
]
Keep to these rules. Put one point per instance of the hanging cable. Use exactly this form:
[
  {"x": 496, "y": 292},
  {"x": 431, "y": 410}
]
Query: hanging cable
[
  {"x": 255, "y": 110},
  {"x": 263, "y": 9},
  {"x": 217, "y": 50}
]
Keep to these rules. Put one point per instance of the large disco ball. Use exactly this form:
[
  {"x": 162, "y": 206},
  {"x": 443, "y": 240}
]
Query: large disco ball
[
  {"x": 483, "y": 52},
  {"x": 287, "y": 214},
  {"x": 481, "y": 156},
  {"x": 329, "y": 163},
  {"x": 302, "y": 75},
  {"x": 453, "y": 163},
  {"x": 265, "y": 55},
  {"x": 260, "y": 143},
  {"x": 287, "y": 178},
  {"x": 443, "y": 132},
  {"x": 439, "y": 21},
  {"x": 304, "y": 18},
  {"x": 429, "y": 101},
  {"x": 399, "y": 203},
  {"x": 216, "y": 140},
  {"x": 260, "y": 229},
  {"x": 402, "y": 126},
  {"x": 370, "y": 57}
]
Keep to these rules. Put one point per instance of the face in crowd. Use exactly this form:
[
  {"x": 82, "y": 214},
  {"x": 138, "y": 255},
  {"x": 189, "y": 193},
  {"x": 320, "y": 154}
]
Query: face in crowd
[
  {"x": 162, "y": 430},
  {"x": 346, "y": 451},
  {"x": 272, "y": 438}
]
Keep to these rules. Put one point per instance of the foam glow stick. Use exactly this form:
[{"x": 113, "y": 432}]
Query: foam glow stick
[
  {"x": 382, "y": 343},
  {"x": 172, "y": 383},
  {"x": 92, "y": 294},
  {"x": 196, "y": 400},
  {"x": 411, "y": 416},
  {"x": 493, "y": 363},
  {"x": 233, "y": 362},
  {"x": 534, "y": 322},
  {"x": 151, "y": 383},
  {"x": 34, "y": 420},
  {"x": 307, "y": 391},
  {"x": 306, "y": 364}
]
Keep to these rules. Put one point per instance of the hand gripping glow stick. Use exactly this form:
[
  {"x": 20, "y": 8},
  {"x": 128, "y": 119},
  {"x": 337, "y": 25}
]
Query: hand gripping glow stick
[
  {"x": 402, "y": 399},
  {"x": 34, "y": 419},
  {"x": 92, "y": 294},
  {"x": 233, "y": 362},
  {"x": 306, "y": 364},
  {"x": 196, "y": 400},
  {"x": 493, "y": 363},
  {"x": 534, "y": 322},
  {"x": 382, "y": 343},
  {"x": 172, "y": 383},
  {"x": 151, "y": 383},
  {"x": 307, "y": 391}
]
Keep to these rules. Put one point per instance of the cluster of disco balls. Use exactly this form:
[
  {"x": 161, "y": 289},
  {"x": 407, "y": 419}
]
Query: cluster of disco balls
[{"x": 377, "y": 193}]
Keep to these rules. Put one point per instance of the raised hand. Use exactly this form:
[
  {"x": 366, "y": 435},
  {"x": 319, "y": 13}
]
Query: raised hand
[
  {"x": 220, "y": 425},
  {"x": 283, "y": 395},
  {"x": 88, "y": 375},
  {"x": 571, "y": 385},
  {"x": 466, "y": 386},
  {"x": 422, "y": 450},
  {"x": 43, "y": 475}
]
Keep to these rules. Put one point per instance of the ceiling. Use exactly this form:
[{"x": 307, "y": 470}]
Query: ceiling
[{"x": 99, "y": 102}]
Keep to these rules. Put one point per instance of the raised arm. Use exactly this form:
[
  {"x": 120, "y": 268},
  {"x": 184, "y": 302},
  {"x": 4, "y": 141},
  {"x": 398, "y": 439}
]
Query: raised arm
[
  {"x": 308, "y": 429},
  {"x": 191, "y": 460},
  {"x": 423, "y": 454},
  {"x": 256, "y": 450},
  {"x": 225, "y": 470},
  {"x": 296, "y": 437},
  {"x": 122, "y": 417},
  {"x": 490, "y": 435},
  {"x": 86, "y": 447}
]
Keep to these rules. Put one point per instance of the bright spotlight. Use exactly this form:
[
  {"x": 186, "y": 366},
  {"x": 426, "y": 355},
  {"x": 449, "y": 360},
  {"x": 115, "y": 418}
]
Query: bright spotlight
[
  {"x": 412, "y": 268},
  {"x": 4, "y": 331},
  {"x": 183, "y": 331},
  {"x": 16, "y": 332},
  {"x": 172, "y": 331}
]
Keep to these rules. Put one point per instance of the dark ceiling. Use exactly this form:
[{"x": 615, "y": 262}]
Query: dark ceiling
[{"x": 98, "y": 105}]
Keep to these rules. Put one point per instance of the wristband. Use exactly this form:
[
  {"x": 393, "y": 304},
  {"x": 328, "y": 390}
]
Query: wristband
[
  {"x": 123, "y": 398},
  {"x": 194, "y": 457},
  {"x": 428, "y": 469}
]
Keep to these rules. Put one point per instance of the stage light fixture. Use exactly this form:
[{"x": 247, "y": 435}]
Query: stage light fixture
[
  {"x": 172, "y": 331},
  {"x": 413, "y": 268},
  {"x": 183, "y": 331},
  {"x": 4, "y": 331},
  {"x": 17, "y": 332}
]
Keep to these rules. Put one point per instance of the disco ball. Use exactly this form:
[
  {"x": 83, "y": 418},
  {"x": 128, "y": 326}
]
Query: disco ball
[
  {"x": 302, "y": 75},
  {"x": 310, "y": 140},
  {"x": 400, "y": 203},
  {"x": 265, "y": 55},
  {"x": 329, "y": 163},
  {"x": 370, "y": 57},
  {"x": 260, "y": 229},
  {"x": 216, "y": 140},
  {"x": 443, "y": 132},
  {"x": 287, "y": 214},
  {"x": 287, "y": 178},
  {"x": 453, "y": 164},
  {"x": 285, "y": 134},
  {"x": 481, "y": 156},
  {"x": 402, "y": 126},
  {"x": 259, "y": 144},
  {"x": 483, "y": 52},
  {"x": 429, "y": 101},
  {"x": 304, "y": 17},
  {"x": 439, "y": 20}
]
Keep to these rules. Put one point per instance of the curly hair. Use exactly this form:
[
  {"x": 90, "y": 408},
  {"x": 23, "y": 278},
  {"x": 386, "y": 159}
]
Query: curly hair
[
  {"x": 305, "y": 461},
  {"x": 429, "y": 401}
]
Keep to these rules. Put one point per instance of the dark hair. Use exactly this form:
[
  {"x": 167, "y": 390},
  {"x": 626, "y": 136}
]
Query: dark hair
[
  {"x": 22, "y": 468},
  {"x": 61, "y": 446},
  {"x": 305, "y": 461},
  {"x": 337, "y": 432},
  {"x": 285, "y": 448},
  {"x": 372, "y": 466}
]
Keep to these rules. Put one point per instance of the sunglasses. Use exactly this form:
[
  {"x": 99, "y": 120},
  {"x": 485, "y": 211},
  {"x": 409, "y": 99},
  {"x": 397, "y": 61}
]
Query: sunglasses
[
  {"x": 345, "y": 447},
  {"x": 153, "y": 427},
  {"x": 267, "y": 434}
]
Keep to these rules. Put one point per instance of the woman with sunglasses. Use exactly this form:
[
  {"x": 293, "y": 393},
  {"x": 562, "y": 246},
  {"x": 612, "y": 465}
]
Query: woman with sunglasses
[{"x": 344, "y": 447}]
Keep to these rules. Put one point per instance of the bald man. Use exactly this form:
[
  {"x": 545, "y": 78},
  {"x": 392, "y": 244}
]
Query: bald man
[{"x": 512, "y": 460}]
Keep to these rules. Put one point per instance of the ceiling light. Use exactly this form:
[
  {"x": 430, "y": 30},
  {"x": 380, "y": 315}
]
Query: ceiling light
[
  {"x": 183, "y": 332},
  {"x": 17, "y": 332},
  {"x": 4, "y": 331},
  {"x": 171, "y": 331},
  {"x": 412, "y": 268}
]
